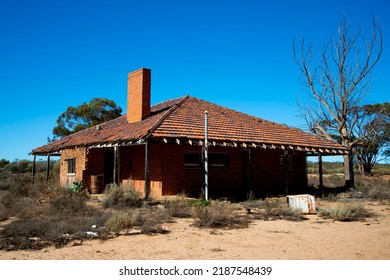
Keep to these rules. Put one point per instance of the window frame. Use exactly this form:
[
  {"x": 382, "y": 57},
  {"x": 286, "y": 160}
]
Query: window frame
[
  {"x": 192, "y": 164},
  {"x": 71, "y": 166},
  {"x": 198, "y": 163},
  {"x": 219, "y": 166}
]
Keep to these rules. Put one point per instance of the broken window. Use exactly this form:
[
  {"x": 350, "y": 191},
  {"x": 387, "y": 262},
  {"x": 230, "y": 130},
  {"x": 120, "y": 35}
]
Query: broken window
[{"x": 71, "y": 165}]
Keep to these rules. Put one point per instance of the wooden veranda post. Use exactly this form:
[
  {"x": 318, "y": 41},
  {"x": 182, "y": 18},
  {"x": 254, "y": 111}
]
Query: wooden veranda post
[
  {"x": 47, "y": 168},
  {"x": 33, "y": 168},
  {"x": 115, "y": 171},
  {"x": 251, "y": 171},
  {"x": 286, "y": 166},
  {"x": 147, "y": 175},
  {"x": 206, "y": 157},
  {"x": 320, "y": 174}
]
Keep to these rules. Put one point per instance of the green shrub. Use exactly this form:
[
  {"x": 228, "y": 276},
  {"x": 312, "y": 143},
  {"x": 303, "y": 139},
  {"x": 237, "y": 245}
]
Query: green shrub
[
  {"x": 200, "y": 202},
  {"x": 77, "y": 187}
]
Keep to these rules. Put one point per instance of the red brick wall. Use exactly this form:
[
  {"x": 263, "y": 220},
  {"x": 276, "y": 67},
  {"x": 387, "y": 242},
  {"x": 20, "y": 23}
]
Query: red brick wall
[
  {"x": 169, "y": 176},
  {"x": 167, "y": 172},
  {"x": 132, "y": 168}
]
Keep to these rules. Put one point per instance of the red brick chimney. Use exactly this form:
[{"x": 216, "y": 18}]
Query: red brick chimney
[{"x": 138, "y": 95}]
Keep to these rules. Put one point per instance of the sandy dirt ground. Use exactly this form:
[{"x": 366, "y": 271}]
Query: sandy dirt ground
[{"x": 312, "y": 239}]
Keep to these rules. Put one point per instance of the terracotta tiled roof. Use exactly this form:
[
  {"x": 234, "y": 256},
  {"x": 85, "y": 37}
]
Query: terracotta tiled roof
[
  {"x": 117, "y": 130},
  {"x": 183, "y": 119}
]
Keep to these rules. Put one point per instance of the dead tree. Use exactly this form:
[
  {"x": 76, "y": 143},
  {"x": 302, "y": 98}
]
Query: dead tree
[{"x": 337, "y": 83}]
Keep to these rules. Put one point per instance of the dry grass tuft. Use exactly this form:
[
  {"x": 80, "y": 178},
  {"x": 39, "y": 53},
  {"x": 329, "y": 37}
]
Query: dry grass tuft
[
  {"x": 124, "y": 221},
  {"x": 347, "y": 212},
  {"x": 219, "y": 215},
  {"x": 179, "y": 207},
  {"x": 272, "y": 209}
]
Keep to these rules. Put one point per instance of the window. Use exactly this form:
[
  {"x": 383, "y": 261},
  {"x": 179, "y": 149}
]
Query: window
[
  {"x": 216, "y": 160},
  {"x": 71, "y": 165},
  {"x": 192, "y": 160}
]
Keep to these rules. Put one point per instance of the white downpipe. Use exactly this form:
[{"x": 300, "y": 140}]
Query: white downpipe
[{"x": 206, "y": 157}]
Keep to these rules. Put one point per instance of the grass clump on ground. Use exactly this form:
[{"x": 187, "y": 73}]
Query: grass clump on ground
[
  {"x": 124, "y": 221},
  {"x": 219, "y": 215},
  {"x": 178, "y": 207},
  {"x": 146, "y": 221},
  {"x": 273, "y": 209},
  {"x": 347, "y": 212}
]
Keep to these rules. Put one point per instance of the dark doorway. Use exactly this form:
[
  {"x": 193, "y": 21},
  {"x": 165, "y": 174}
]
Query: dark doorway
[
  {"x": 108, "y": 166},
  {"x": 245, "y": 174}
]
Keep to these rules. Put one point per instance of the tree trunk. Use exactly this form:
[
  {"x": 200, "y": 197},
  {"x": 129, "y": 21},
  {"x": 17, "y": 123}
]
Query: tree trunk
[{"x": 348, "y": 171}]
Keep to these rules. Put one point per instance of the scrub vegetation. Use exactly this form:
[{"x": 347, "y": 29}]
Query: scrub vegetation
[{"x": 40, "y": 214}]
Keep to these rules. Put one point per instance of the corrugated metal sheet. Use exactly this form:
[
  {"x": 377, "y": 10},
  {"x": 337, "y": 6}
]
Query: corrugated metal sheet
[{"x": 305, "y": 202}]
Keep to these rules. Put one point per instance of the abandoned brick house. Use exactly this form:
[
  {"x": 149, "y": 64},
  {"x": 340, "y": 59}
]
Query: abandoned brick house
[{"x": 159, "y": 149}]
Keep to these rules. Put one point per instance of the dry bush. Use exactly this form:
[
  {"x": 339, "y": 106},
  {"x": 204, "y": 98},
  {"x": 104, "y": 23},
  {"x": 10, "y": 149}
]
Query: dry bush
[
  {"x": 58, "y": 230},
  {"x": 20, "y": 187},
  {"x": 47, "y": 215},
  {"x": 124, "y": 221},
  {"x": 271, "y": 209},
  {"x": 3, "y": 215},
  {"x": 7, "y": 200},
  {"x": 179, "y": 207},
  {"x": 379, "y": 192},
  {"x": 219, "y": 215},
  {"x": 373, "y": 188},
  {"x": 151, "y": 227},
  {"x": 122, "y": 196},
  {"x": 347, "y": 212},
  {"x": 5, "y": 181},
  {"x": 148, "y": 220},
  {"x": 68, "y": 203}
]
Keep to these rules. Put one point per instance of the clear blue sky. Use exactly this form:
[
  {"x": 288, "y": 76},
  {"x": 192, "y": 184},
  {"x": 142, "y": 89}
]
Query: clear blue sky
[{"x": 238, "y": 54}]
